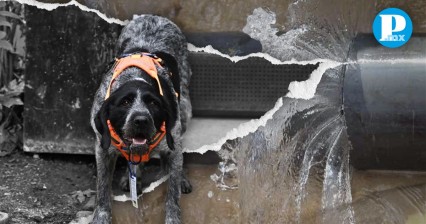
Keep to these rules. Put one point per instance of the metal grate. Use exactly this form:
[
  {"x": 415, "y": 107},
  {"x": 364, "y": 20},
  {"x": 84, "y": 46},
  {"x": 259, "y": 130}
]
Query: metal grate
[{"x": 220, "y": 87}]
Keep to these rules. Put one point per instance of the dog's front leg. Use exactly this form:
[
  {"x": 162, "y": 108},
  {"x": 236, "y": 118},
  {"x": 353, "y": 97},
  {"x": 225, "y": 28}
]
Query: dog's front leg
[
  {"x": 105, "y": 162},
  {"x": 174, "y": 188},
  {"x": 175, "y": 162}
]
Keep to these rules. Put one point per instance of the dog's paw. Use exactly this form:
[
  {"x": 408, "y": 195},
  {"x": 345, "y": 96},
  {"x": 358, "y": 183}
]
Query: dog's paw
[
  {"x": 186, "y": 186},
  {"x": 101, "y": 217}
]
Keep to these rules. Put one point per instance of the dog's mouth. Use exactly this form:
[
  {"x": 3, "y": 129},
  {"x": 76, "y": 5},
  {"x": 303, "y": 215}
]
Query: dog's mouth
[
  {"x": 137, "y": 144},
  {"x": 139, "y": 141}
]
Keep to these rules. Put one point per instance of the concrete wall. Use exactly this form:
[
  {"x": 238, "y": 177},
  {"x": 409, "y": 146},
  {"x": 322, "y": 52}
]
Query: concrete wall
[{"x": 67, "y": 51}]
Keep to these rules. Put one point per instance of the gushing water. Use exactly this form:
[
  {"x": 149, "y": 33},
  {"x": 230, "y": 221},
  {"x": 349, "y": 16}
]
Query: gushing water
[
  {"x": 296, "y": 167},
  {"x": 298, "y": 164}
]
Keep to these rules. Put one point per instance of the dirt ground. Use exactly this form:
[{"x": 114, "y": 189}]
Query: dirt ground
[{"x": 46, "y": 188}]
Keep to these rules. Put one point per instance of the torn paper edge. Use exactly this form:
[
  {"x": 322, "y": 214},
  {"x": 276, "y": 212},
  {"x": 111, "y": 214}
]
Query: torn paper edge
[
  {"x": 300, "y": 90},
  {"x": 52, "y": 6},
  {"x": 151, "y": 187},
  {"x": 209, "y": 49},
  {"x": 241, "y": 131},
  {"x": 306, "y": 89}
]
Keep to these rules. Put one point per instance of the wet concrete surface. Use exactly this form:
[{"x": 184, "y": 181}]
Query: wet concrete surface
[
  {"x": 389, "y": 197},
  {"x": 205, "y": 204},
  {"x": 378, "y": 197}
]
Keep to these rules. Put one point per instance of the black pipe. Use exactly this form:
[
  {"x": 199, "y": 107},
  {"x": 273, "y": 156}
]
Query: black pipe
[{"x": 385, "y": 104}]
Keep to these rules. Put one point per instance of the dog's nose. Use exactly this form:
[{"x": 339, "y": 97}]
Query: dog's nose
[{"x": 140, "y": 120}]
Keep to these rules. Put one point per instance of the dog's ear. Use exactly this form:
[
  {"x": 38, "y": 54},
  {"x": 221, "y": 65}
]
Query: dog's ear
[
  {"x": 170, "y": 141},
  {"x": 102, "y": 126},
  {"x": 171, "y": 63}
]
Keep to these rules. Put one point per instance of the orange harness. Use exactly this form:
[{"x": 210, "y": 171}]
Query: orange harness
[{"x": 147, "y": 63}]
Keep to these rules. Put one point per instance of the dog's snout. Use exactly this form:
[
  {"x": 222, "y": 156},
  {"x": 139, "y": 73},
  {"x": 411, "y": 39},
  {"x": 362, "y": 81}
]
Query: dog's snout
[{"x": 140, "y": 120}]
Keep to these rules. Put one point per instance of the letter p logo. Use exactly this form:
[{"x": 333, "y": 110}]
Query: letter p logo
[
  {"x": 388, "y": 27},
  {"x": 392, "y": 27}
]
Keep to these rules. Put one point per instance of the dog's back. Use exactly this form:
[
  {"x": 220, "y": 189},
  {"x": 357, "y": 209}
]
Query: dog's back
[{"x": 152, "y": 34}]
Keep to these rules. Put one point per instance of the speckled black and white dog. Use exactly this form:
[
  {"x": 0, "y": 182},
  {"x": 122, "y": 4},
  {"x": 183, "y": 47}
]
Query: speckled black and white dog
[{"x": 136, "y": 109}]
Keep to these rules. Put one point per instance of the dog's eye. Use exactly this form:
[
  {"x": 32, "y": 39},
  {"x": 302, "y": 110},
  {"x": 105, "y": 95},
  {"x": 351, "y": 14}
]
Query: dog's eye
[
  {"x": 153, "y": 103},
  {"x": 126, "y": 102},
  {"x": 150, "y": 101}
]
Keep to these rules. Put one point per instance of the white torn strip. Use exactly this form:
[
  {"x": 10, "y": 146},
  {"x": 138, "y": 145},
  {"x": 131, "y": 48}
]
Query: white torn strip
[
  {"x": 209, "y": 49},
  {"x": 306, "y": 89},
  {"x": 155, "y": 184},
  {"x": 122, "y": 198},
  {"x": 151, "y": 187},
  {"x": 52, "y": 6},
  {"x": 241, "y": 131}
]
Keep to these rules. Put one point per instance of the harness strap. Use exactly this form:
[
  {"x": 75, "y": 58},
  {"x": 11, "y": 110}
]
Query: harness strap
[
  {"x": 141, "y": 61},
  {"x": 121, "y": 146}
]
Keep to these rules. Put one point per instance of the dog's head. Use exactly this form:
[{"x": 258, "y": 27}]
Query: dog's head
[{"x": 136, "y": 110}]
